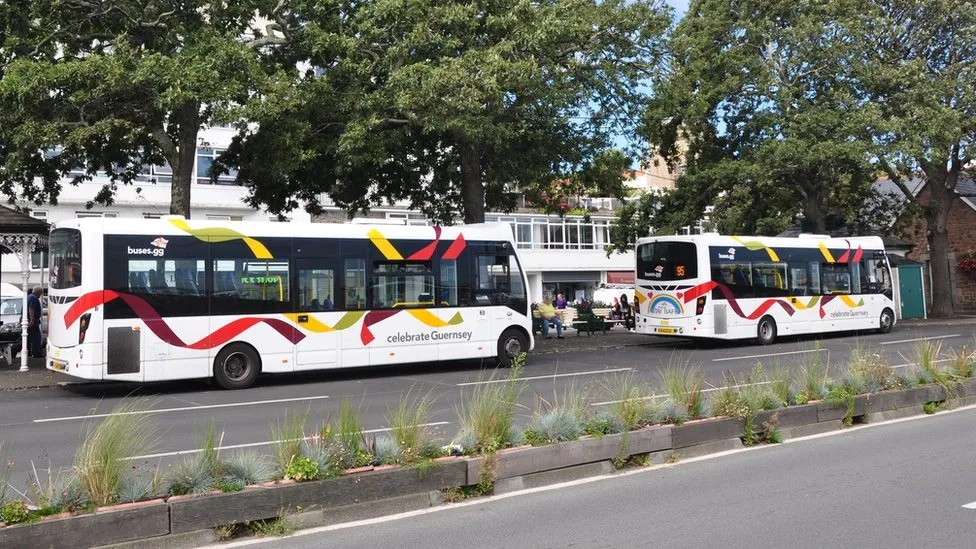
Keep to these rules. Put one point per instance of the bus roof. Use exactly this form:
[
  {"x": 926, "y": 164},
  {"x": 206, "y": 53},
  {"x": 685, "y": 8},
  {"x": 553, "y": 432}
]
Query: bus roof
[
  {"x": 177, "y": 225},
  {"x": 802, "y": 241}
]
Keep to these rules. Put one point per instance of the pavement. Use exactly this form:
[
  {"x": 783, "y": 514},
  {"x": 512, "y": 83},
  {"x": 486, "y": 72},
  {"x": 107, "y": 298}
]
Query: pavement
[{"x": 37, "y": 376}]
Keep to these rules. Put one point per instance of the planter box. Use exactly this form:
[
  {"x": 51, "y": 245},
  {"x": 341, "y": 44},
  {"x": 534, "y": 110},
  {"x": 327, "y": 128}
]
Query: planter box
[
  {"x": 536, "y": 459},
  {"x": 105, "y": 527},
  {"x": 208, "y": 512},
  {"x": 827, "y": 411},
  {"x": 706, "y": 430},
  {"x": 791, "y": 416},
  {"x": 895, "y": 400}
]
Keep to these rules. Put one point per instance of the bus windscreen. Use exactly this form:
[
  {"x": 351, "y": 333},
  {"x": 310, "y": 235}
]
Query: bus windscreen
[{"x": 667, "y": 261}]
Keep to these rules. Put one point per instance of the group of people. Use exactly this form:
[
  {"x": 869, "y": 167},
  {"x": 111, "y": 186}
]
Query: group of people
[
  {"x": 621, "y": 310},
  {"x": 34, "y": 311}
]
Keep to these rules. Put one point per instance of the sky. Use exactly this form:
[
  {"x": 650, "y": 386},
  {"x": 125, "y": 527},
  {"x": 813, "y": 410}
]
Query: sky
[{"x": 680, "y": 6}]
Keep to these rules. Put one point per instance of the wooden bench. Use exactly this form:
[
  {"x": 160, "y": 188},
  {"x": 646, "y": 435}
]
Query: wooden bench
[{"x": 604, "y": 312}]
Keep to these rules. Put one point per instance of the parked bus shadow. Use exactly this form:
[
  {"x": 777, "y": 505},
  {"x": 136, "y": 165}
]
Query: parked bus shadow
[{"x": 113, "y": 389}]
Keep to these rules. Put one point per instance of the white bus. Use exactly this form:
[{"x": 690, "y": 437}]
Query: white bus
[
  {"x": 739, "y": 287},
  {"x": 154, "y": 300}
]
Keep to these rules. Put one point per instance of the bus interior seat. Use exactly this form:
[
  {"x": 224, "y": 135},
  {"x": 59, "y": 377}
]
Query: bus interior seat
[
  {"x": 135, "y": 282},
  {"x": 184, "y": 282},
  {"x": 315, "y": 305},
  {"x": 739, "y": 278},
  {"x": 224, "y": 284},
  {"x": 156, "y": 281}
]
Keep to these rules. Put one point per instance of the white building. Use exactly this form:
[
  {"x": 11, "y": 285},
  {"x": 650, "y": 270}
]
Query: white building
[{"x": 560, "y": 254}]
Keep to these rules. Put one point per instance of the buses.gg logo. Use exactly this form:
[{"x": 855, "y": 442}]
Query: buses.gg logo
[{"x": 158, "y": 248}]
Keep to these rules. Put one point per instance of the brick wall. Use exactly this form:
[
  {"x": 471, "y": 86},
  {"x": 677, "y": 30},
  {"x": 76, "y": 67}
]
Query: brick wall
[{"x": 962, "y": 239}]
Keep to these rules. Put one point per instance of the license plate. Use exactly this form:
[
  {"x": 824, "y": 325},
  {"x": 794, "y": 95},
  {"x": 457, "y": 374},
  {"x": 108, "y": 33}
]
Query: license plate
[
  {"x": 667, "y": 330},
  {"x": 59, "y": 365}
]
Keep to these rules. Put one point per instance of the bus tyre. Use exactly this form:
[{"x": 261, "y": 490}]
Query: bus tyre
[
  {"x": 511, "y": 344},
  {"x": 887, "y": 321},
  {"x": 236, "y": 366},
  {"x": 766, "y": 331}
]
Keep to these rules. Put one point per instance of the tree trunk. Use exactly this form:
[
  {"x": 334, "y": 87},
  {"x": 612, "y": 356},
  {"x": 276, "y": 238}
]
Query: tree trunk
[
  {"x": 813, "y": 198},
  {"x": 187, "y": 118},
  {"x": 937, "y": 217},
  {"x": 473, "y": 188}
]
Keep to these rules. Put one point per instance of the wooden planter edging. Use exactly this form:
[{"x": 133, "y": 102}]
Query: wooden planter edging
[
  {"x": 118, "y": 525},
  {"x": 187, "y": 515},
  {"x": 180, "y": 515}
]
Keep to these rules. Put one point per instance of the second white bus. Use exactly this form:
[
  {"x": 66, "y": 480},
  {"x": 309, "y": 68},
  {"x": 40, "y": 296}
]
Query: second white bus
[{"x": 740, "y": 287}]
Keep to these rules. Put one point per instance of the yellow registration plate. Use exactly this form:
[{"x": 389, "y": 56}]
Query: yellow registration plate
[
  {"x": 59, "y": 365},
  {"x": 667, "y": 330}
]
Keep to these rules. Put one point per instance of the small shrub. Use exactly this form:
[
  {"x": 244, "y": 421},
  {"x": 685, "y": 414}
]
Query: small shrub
[
  {"x": 673, "y": 412},
  {"x": 556, "y": 425},
  {"x": 302, "y": 469},
  {"x": 408, "y": 420},
  {"x": 962, "y": 362},
  {"x": 489, "y": 413},
  {"x": 287, "y": 435},
  {"x": 813, "y": 376},
  {"x": 631, "y": 401},
  {"x": 247, "y": 468},
  {"x": 230, "y": 486},
  {"x": 6, "y": 469},
  {"x": 14, "y": 512},
  {"x": 138, "y": 488},
  {"x": 929, "y": 407},
  {"x": 683, "y": 384},
  {"x": 191, "y": 475},
  {"x": 386, "y": 451},
  {"x": 350, "y": 429},
  {"x": 100, "y": 461},
  {"x": 604, "y": 423}
]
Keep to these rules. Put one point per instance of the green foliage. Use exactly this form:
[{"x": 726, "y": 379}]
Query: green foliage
[
  {"x": 763, "y": 137},
  {"x": 963, "y": 363},
  {"x": 138, "y": 487},
  {"x": 930, "y": 407},
  {"x": 683, "y": 384},
  {"x": 451, "y": 106},
  {"x": 386, "y": 451},
  {"x": 247, "y": 468},
  {"x": 191, "y": 475},
  {"x": 631, "y": 401},
  {"x": 287, "y": 435},
  {"x": 813, "y": 378},
  {"x": 6, "y": 469},
  {"x": 211, "y": 450},
  {"x": 555, "y": 425},
  {"x": 111, "y": 93},
  {"x": 604, "y": 423},
  {"x": 100, "y": 460},
  {"x": 489, "y": 412},
  {"x": 14, "y": 512},
  {"x": 869, "y": 372},
  {"x": 408, "y": 419},
  {"x": 301, "y": 469},
  {"x": 843, "y": 395}
]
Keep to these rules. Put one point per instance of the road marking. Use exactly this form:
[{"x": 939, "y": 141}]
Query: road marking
[
  {"x": 918, "y": 339},
  {"x": 970, "y": 505},
  {"x": 506, "y": 380},
  {"x": 770, "y": 354},
  {"x": 255, "y": 444},
  {"x": 184, "y": 408},
  {"x": 652, "y": 397}
]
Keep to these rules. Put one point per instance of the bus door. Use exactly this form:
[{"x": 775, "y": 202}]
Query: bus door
[
  {"x": 500, "y": 288},
  {"x": 316, "y": 316}
]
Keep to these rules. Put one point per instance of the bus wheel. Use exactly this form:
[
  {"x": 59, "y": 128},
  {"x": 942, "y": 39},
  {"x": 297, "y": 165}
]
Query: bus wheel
[
  {"x": 511, "y": 344},
  {"x": 236, "y": 366},
  {"x": 887, "y": 321},
  {"x": 766, "y": 331}
]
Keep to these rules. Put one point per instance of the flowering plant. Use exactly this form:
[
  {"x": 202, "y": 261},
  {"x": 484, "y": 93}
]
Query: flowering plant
[{"x": 967, "y": 262}]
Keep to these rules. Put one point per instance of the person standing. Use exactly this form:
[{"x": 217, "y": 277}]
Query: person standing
[{"x": 34, "y": 323}]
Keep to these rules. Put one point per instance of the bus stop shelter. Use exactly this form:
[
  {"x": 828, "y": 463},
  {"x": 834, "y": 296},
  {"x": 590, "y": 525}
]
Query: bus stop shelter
[{"x": 22, "y": 235}]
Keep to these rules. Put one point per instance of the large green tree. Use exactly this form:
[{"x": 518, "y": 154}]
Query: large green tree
[
  {"x": 108, "y": 86},
  {"x": 919, "y": 67},
  {"x": 757, "y": 102},
  {"x": 453, "y": 106}
]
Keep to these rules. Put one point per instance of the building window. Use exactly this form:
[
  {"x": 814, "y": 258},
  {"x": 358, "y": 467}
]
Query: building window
[
  {"x": 156, "y": 174},
  {"x": 223, "y": 217},
  {"x": 39, "y": 260},
  {"x": 82, "y": 215},
  {"x": 205, "y": 161}
]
